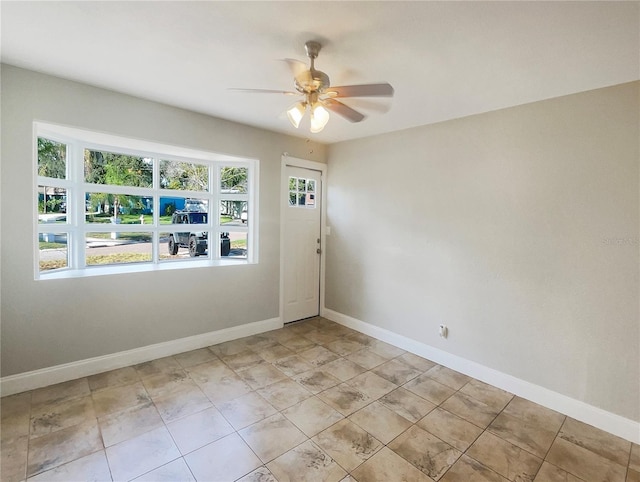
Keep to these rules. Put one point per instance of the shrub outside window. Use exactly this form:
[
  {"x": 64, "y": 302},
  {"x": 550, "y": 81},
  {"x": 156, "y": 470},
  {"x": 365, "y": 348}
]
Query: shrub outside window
[{"x": 126, "y": 205}]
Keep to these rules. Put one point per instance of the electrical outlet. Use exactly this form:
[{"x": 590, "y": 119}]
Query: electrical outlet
[{"x": 443, "y": 331}]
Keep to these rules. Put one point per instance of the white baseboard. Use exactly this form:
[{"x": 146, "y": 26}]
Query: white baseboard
[
  {"x": 597, "y": 417},
  {"x": 91, "y": 366}
]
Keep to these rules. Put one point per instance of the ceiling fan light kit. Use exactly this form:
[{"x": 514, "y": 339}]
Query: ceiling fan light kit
[
  {"x": 319, "y": 115},
  {"x": 320, "y": 97}
]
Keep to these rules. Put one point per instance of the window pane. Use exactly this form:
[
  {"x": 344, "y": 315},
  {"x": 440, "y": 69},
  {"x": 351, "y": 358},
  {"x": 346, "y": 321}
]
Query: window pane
[
  {"x": 237, "y": 245},
  {"x": 233, "y": 180},
  {"x": 183, "y": 245},
  {"x": 311, "y": 185},
  {"x": 302, "y": 185},
  {"x": 310, "y": 200},
  {"x": 118, "y": 248},
  {"x": 169, "y": 249},
  {"x": 193, "y": 244},
  {"x": 117, "y": 169},
  {"x": 293, "y": 199},
  {"x": 52, "y": 159},
  {"x": 193, "y": 238},
  {"x": 102, "y": 208},
  {"x": 184, "y": 176},
  {"x": 53, "y": 251},
  {"x": 293, "y": 184},
  {"x": 52, "y": 205},
  {"x": 233, "y": 213},
  {"x": 171, "y": 205},
  {"x": 89, "y": 206}
]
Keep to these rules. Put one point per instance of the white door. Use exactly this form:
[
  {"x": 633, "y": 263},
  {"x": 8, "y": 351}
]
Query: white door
[{"x": 301, "y": 244}]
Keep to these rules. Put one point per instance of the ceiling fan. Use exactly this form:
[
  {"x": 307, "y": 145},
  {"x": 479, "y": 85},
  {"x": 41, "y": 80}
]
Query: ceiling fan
[{"x": 319, "y": 96}]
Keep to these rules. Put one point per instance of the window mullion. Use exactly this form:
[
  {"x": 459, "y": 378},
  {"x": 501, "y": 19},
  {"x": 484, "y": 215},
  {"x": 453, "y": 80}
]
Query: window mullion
[
  {"x": 214, "y": 216},
  {"x": 76, "y": 243},
  {"x": 155, "y": 247},
  {"x": 252, "y": 209}
]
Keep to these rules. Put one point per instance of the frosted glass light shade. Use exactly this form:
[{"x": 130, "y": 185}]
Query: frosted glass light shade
[
  {"x": 295, "y": 114},
  {"x": 319, "y": 118}
]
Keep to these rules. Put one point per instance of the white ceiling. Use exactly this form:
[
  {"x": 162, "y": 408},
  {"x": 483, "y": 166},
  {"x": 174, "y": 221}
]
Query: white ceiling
[{"x": 444, "y": 59}]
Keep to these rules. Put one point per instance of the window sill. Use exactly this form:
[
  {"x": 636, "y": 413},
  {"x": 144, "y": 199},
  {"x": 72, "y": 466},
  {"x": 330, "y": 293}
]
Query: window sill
[{"x": 138, "y": 268}]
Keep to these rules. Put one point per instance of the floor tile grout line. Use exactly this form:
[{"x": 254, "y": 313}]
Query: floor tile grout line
[
  {"x": 26, "y": 462},
  {"x": 104, "y": 447},
  {"x": 156, "y": 468},
  {"x": 629, "y": 462},
  {"x": 551, "y": 445}
]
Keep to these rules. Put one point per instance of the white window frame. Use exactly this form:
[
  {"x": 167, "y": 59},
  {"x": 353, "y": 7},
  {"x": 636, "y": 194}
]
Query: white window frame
[{"x": 77, "y": 140}]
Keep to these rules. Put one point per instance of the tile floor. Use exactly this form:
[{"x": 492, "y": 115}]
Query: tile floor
[{"x": 314, "y": 401}]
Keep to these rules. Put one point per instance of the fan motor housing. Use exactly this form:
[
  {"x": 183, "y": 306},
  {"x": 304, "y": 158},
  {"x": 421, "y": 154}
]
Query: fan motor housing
[{"x": 312, "y": 81}]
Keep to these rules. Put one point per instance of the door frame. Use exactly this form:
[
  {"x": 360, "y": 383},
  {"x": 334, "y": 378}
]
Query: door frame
[{"x": 284, "y": 186}]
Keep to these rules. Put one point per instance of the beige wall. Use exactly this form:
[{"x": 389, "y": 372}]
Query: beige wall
[
  {"x": 46, "y": 323},
  {"x": 518, "y": 229}
]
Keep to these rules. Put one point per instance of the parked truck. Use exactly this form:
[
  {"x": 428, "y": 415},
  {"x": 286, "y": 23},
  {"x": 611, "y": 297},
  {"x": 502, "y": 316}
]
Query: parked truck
[{"x": 195, "y": 241}]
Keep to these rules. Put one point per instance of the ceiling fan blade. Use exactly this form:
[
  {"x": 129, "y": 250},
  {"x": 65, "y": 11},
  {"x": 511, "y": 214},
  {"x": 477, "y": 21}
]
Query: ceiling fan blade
[
  {"x": 344, "y": 110},
  {"x": 266, "y": 91},
  {"x": 296, "y": 66},
  {"x": 364, "y": 90},
  {"x": 370, "y": 105}
]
